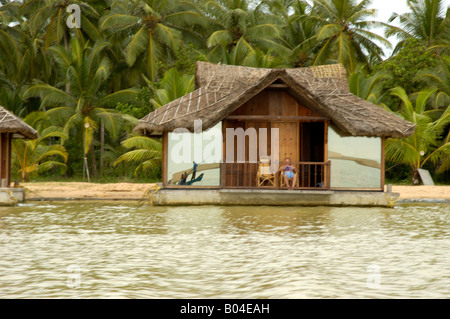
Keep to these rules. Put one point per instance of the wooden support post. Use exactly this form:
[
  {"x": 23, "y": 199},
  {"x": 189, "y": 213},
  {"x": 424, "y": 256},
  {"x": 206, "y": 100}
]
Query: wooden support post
[
  {"x": 383, "y": 164},
  {"x": 2, "y": 160},
  {"x": 5, "y": 159},
  {"x": 329, "y": 175},
  {"x": 8, "y": 159},
  {"x": 325, "y": 153},
  {"x": 223, "y": 167},
  {"x": 164, "y": 157}
]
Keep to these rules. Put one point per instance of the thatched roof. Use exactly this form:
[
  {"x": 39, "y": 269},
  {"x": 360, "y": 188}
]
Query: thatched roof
[
  {"x": 221, "y": 89},
  {"x": 12, "y": 124}
]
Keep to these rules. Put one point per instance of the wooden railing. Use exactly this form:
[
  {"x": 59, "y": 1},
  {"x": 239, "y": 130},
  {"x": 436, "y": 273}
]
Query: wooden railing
[{"x": 310, "y": 175}]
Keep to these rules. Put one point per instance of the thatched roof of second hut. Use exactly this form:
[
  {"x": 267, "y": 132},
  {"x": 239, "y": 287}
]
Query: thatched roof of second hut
[
  {"x": 221, "y": 89},
  {"x": 12, "y": 124}
]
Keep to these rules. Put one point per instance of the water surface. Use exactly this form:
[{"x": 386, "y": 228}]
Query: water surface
[{"x": 119, "y": 250}]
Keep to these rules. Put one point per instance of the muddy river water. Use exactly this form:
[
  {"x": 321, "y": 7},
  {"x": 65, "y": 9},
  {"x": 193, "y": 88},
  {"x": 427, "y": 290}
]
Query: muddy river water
[{"x": 119, "y": 250}]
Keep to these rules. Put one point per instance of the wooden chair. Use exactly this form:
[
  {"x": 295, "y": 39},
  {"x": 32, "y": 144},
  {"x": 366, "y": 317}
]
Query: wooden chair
[
  {"x": 283, "y": 184},
  {"x": 264, "y": 173}
]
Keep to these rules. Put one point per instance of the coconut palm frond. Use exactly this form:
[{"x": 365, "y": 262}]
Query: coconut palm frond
[{"x": 142, "y": 142}]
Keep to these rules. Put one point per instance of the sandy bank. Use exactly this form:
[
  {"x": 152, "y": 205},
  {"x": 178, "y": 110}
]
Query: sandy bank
[
  {"x": 74, "y": 190},
  {"x": 422, "y": 192},
  {"x": 85, "y": 190}
]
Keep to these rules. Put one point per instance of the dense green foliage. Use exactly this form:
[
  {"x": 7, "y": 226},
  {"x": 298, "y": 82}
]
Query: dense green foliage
[
  {"x": 83, "y": 87},
  {"x": 403, "y": 68}
]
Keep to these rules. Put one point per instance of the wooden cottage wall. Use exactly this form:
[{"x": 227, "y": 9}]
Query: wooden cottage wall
[{"x": 274, "y": 108}]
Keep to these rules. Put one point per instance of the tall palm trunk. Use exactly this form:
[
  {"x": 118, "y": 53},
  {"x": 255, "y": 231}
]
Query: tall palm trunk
[
  {"x": 415, "y": 176},
  {"x": 93, "y": 161},
  {"x": 66, "y": 46}
]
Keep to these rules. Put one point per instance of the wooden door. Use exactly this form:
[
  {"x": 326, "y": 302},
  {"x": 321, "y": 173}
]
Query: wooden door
[{"x": 288, "y": 140}]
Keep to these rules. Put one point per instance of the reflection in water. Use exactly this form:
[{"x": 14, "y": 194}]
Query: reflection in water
[{"x": 100, "y": 250}]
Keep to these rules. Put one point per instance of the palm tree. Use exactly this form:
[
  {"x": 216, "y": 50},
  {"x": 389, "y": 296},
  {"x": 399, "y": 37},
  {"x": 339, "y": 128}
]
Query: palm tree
[
  {"x": 11, "y": 73},
  {"x": 172, "y": 86},
  {"x": 39, "y": 155},
  {"x": 150, "y": 28},
  {"x": 146, "y": 153},
  {"x": 237, "y": 30},
  {"x": 444, "y": 164},
  {"x": 344, "y": 34},
  {"x": 298, "y": 31},
  {"x": 87, "y": 106},
  {"x": 13, "y": 101},
  {"x": 424, "y": 145},
  {"x": 365, "y": 86},
  {"x": 21, "y": 60},
  {"x": 427, "y": 21},
  {"x": 259, "y": 59},
  {"x": 439, "y": 77},
  {"x": 47, "y": 20}
]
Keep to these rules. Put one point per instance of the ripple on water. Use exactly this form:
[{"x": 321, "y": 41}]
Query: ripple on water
[{"x": 99, "y": 250}]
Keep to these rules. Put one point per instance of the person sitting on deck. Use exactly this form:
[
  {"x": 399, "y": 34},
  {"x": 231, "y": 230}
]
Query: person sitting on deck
[{"x": 289, "y": 173}]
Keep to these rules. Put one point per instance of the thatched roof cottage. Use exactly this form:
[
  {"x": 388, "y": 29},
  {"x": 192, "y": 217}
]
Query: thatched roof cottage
[{"x": 334, "y": 139}]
